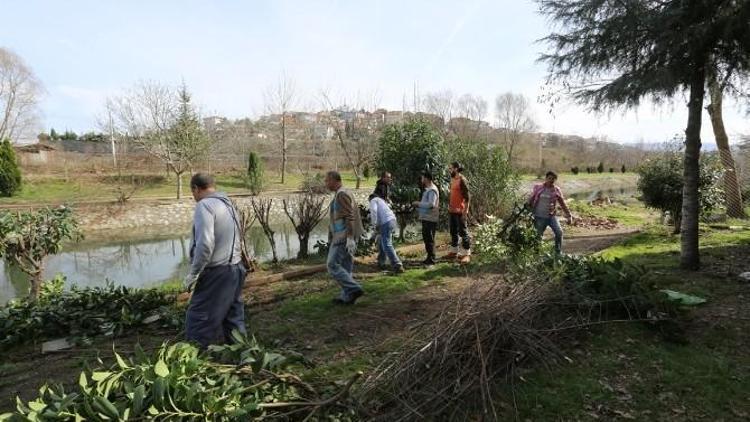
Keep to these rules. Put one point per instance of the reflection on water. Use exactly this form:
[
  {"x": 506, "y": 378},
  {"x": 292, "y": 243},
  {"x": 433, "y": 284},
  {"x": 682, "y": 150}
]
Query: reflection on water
[{"x": 143, "y": 262}]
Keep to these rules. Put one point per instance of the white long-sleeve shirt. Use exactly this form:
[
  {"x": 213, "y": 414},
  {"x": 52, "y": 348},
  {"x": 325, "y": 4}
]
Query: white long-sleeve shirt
[{"x": 380, "y": 212}]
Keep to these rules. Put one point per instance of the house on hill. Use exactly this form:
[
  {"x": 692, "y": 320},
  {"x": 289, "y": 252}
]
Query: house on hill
[{"x": 33, "y": 153}]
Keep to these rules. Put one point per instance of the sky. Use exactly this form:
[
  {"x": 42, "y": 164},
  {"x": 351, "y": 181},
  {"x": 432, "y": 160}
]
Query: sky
[{"x": 229, "y": 52}]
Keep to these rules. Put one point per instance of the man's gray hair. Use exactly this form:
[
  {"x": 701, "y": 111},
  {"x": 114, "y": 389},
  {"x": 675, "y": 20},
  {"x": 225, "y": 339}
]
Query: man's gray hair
[
  {"x": 334, "y": 175},
  {"x": 202, "y": 181}
]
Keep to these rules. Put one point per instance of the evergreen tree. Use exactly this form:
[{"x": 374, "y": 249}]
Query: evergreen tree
[
  {"x": 614, "y": 53},
  {"x": 10, "y": 174},
  {"x": 254, "y": 173}
]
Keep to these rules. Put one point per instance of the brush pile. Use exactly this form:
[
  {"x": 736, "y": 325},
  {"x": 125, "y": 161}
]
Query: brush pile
[{"x": 454, "y": 367}]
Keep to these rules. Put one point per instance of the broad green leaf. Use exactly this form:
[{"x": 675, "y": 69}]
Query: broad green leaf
[
  {"x": 106, "y": 407},
  {"x": 683, "y": 299},
  {"x": 100, "y": 376},
  {"x": 138, "y": 394},
  {"x": 161, "y": 369},
  {"x": 83, "y": 381},
  {"x": 121, "y": 362}
]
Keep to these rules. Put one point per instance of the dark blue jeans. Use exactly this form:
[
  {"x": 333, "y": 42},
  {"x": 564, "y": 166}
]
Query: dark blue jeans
[
  {"x": 216, "y": 308},
  {"x": 340, "y": 266},
  {"x": 541, "y": 224}
]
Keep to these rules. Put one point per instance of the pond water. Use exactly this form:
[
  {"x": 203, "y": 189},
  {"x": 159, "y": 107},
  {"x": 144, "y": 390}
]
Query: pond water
[
  {"x": 141, "y": 261},
  {"x": 611, "y": 193}
]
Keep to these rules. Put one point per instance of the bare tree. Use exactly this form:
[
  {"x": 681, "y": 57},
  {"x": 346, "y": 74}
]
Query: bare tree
[
  {"x": 245, "y": 220},
  {"x": 306, "y": 212},
  {"x": 163, "y": 122},
  {"x": 262, "y": 208},
  {"x": 355, "y": 130},
  {"x": 279, "y": 100},
  {"x": 514, "y": 117},
  {"x": 19, "y": 95},
  {"x": 441, "y": 104},
  {"x": 472, "y": 109}
]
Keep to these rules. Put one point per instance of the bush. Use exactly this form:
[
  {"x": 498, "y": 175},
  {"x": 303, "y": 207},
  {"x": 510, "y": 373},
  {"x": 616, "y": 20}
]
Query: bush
[
  {"x": 366, "y": 172},
  {"x": 408, "y": 149},
  {"x": 10, "y": 174},
  {"x": 661, "y": 180},
  {"x": 574, "y": 170},
  {"x": 623, "y": 169},
  {"x": 314, "y": 183},
  {"x": 600, "y": 167},
  {"x": 611, "y": 169},
  {"x": 254, "y": 180},
  {"x": 82, "y": 313},
  {"x": 589, "y": 170},
  {"x": 491, "y": 178}
]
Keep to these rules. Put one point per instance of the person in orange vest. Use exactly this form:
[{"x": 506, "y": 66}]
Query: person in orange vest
[{"x": 458, "y": 209}]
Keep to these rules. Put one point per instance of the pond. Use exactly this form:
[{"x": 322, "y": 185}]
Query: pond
[
  {"x": 588, "y": 196},
  {"x": 141, "y": 261}
]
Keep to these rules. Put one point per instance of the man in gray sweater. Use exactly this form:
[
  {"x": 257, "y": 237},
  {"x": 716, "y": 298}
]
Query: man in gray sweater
[
  {"x": 429, "y": 213},
  {"x": 216, "y": 273}
]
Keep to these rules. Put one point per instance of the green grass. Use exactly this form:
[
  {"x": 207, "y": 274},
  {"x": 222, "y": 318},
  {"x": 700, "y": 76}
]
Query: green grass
[
  {"x": 629, "y": 372},
  {"x": 628, "y": 212},
  {"x": 44, "y": 189}
]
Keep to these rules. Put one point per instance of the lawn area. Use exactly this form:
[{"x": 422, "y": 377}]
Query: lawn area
[
  {"x": 47, "y": 189},
  {"x": 629, "y": 372}
]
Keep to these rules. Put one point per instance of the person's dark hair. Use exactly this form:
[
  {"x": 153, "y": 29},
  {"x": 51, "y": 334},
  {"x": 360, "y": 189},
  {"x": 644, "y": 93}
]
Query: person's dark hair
[
  {"x": 383, "y": 173},
  {"x": 381, "y": 189},
  {"x": 334, "y": 175},
  {"x": 551, "y": 173},
  {"x": 372, "y": 196},
  {"x": 202, "y": 181},
  {"x": 427, "y": 175},
  {"x": 456, "y": 165}
]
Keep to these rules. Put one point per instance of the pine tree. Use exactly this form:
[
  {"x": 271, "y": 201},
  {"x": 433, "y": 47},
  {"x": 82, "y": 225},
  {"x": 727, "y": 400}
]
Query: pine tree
[
  {"x": 10, "y": 174},
  {"x": 254, "y": 173}
]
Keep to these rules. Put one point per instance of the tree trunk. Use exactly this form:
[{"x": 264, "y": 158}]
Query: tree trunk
[
  {"x": 732, "y": 194},
  {"x": 283, "y": 148},
  {"x": 179, "y": 185},
  {"x": 690, "y": 254},
  {"x": 359, "y": 179},
  {"x": 36, "y": 285},
  {"x": 304, "y": 240}
]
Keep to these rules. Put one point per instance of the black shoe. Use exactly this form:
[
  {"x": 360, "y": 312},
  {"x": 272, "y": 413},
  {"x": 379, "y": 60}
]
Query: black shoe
[
  {"x": 428, "y": 262},
  {"x": 339, "y": 301},
  {"x": 355, "y": 296},
  {"x": 399, "y": 269}
]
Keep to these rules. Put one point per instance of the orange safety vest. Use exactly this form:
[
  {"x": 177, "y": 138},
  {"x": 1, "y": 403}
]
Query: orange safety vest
[{"x": 457, "y": 203}]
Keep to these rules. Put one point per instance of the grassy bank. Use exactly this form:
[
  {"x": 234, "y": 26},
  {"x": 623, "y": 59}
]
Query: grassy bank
[{"x": 47, "y": 189}]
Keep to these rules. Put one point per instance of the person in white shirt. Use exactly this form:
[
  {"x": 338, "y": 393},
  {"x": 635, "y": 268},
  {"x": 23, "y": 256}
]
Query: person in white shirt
[{"x": 384, "y": 223}]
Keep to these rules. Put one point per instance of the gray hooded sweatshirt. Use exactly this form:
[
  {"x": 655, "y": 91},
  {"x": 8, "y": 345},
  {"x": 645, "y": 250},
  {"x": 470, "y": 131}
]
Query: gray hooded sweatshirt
[{"x": 215, "y": 230}]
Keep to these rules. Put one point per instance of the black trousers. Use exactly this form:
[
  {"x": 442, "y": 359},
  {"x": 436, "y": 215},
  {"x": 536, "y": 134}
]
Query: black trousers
[
  {"x": 458, "y": 229},
  {"x": 429, "y": 228}
]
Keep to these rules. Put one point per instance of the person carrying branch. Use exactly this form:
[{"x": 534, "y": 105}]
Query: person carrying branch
[
  {"x": 458, "y": 210},
  {"x": 217, "y": 272},
  {"x": 543, "y": 203},
  {"x": 344, "y": 231}
]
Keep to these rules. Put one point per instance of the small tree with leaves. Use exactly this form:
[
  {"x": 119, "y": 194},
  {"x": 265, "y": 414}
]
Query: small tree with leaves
[
  {"x": 600, "y": 167},
  {"x": 254, "y": 178},
  {"x": 661, "y": 183},
  {"x": 623, "y": 169},
  {"x": 27, "y": 238},
  {"x": 10, "y": 174},
  {"x": 305, "y": 212}
]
